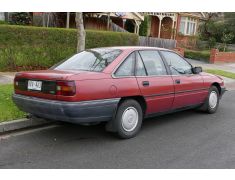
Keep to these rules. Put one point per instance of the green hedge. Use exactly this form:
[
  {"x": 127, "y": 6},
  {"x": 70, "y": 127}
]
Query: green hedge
[
  {"x": 197, "y": 55},
  {"x": 29, "y": 47}
]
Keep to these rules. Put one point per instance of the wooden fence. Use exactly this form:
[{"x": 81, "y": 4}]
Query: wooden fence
[{"x": 157, "y": 42}]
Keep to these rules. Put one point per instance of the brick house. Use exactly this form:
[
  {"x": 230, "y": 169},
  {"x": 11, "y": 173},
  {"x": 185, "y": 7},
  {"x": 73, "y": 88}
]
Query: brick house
[
  {"x": 116, "y": 21},
  {"x": 179, "y": 26}
]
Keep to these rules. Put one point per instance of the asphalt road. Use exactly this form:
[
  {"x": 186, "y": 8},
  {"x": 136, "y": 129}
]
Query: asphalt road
[{"x": 186, "y": 139}]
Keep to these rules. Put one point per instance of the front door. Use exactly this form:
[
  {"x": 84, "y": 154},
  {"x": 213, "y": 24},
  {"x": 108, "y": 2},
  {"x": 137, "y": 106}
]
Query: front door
[
  {"x": 189, "y": 87},
  {"x": 155, "y": 83}
]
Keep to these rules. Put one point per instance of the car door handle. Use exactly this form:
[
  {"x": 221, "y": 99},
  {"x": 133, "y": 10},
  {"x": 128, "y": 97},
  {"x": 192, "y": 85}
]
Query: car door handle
[
  {"x": 145, "y": 83},
  {"x": 177, "y": 81}
]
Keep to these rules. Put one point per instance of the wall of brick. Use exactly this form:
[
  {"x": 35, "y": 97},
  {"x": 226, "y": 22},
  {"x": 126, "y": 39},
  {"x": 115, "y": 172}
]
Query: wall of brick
[
  {"x": 220, "y": 57},
  {"x": 179, "y": 51}
]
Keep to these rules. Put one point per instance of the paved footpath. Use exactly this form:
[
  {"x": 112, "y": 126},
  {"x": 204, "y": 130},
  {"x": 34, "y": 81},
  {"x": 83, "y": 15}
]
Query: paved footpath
[
  {"x": 230, "y": 67},
  {"x": 7, "y": 77}
]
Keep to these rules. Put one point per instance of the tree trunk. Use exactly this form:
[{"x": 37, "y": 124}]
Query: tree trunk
[{"x": 81, "y": 34}]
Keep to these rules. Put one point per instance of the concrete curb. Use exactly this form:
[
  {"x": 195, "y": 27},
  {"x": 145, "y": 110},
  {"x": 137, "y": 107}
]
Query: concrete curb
[{"x": 22, "y": 123}]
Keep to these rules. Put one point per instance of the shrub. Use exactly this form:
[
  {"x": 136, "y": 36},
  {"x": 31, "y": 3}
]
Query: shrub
[
  {"x": 211, "y": 42},
  {"x": 144, "y": 26},
  {"x": 21, "y": 18},
  {"x": 198, "y": 55},
  {"x": 3, "y": 22},
  {"x": 28, "y": 47}
]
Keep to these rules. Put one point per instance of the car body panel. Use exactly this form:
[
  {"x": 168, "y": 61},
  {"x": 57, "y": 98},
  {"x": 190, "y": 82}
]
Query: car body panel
[
  {"x": 189, "y": 91},
  {"x": 159, "y": 95},
  {"x": 101, "y": 92}
]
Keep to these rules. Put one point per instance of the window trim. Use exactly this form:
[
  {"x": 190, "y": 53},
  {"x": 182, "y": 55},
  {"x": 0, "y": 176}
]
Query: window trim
[{"x": 169, "y": 66}]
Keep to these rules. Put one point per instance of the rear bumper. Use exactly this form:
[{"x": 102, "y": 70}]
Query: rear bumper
[{"x": 75, "y": 112}]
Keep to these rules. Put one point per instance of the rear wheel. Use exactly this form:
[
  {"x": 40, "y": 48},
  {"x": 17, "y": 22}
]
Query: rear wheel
[
  {"x": 128, "y": 119},
  {"x": 212, "y": 102}
]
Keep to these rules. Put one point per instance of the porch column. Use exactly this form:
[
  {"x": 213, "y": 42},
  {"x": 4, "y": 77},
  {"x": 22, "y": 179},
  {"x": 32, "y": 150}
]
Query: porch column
[
  {"x": 135, "y": 30},
  {"x": 67, "y": 19},
  {"x": 159, "y": 27},
  {"x": 137, "y": 26},
  {"x": 108, "y": 22},
  {"x": 43, "y": 19},
  {"x": 176, "y": 26},
  {"x": 48, "y": 19},
  {"x": 173, "y": 29}
]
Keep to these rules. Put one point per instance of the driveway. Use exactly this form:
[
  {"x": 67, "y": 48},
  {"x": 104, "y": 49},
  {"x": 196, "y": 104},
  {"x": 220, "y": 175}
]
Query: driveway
[{"x": 186, "y": 139}]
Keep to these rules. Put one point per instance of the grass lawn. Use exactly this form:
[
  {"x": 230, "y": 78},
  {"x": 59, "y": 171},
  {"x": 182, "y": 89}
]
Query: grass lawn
[
  {"x": 221, "y": 73},
  {"x": 8, "y": 110}
]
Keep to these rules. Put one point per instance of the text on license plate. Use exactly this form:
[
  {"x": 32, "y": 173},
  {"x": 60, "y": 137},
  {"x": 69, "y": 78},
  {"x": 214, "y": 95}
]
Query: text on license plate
[{"x": 35, "y": 85}]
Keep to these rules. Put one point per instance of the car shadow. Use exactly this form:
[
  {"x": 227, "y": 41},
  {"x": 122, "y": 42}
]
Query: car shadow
[{"x": 75, "y": 132}]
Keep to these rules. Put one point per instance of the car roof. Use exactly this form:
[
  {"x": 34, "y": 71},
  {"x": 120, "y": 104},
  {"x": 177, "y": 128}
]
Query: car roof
[{"x": 132, "y": 48}]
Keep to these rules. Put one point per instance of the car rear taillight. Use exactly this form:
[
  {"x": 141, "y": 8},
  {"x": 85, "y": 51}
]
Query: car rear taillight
[
  {"x": 65, "y": 88},
  {"x": 16, "y": 83}
]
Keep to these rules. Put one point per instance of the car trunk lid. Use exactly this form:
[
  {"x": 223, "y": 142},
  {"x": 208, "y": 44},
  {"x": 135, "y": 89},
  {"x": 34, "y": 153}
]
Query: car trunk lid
[{"x": 47, "y": 79}]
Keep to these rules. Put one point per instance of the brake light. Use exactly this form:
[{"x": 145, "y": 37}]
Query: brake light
[{"x": 65, "y": 88}]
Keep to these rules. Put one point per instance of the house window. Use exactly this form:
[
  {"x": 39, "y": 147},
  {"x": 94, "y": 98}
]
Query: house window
[
  {"x": 187, "y": 26},
  {"x": 182, "y": 25}
]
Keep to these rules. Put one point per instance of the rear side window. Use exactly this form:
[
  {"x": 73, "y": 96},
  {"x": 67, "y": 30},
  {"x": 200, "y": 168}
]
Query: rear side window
[
  {"x": 153, "y": 62},
  {"x": 127, "y": 67}
]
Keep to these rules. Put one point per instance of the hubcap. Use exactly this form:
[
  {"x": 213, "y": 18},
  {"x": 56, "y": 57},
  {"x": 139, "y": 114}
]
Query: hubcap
[
  {"x": 130, "y": 119},
  {"x": 213, "y": 98}
]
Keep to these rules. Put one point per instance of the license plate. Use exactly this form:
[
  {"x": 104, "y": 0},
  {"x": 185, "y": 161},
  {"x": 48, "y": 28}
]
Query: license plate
[{"x": 35, "y": 85}]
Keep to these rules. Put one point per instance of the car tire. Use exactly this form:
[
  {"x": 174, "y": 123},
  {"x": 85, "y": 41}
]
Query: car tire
[
  {"x": 128, "y": 119},
  {"x": 212, "y": 102}
]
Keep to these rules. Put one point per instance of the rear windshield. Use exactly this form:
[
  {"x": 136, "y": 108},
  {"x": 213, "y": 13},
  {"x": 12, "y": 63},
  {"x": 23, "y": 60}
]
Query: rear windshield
[{"x": 90, "y": 60}]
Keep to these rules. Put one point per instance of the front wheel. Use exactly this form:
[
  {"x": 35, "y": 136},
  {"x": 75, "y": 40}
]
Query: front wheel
[
  {"x": 212, "y": 102},
  {"x": 128, "y": 120}
]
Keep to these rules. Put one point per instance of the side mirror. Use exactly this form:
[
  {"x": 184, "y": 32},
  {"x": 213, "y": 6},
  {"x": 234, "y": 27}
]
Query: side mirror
[{"x": 196, "y": 70}]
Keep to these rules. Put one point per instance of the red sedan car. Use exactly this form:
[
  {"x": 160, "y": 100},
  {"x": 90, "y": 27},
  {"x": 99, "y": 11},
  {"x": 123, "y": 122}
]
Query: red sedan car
[{"x": 119, "y": 85}]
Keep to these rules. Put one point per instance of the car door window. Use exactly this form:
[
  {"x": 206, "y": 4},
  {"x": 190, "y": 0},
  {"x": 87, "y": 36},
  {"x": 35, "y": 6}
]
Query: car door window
[
  {"x": 176, "y": 63},
  {"x": 153, "y": 62},
  {"x": 127, "y": 67}
]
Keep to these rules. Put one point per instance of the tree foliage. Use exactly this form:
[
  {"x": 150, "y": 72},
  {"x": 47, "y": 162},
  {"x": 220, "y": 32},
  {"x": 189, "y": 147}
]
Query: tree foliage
[
  {"x": 21, "y": 18},
  {"x": 215, "y": 29}
]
